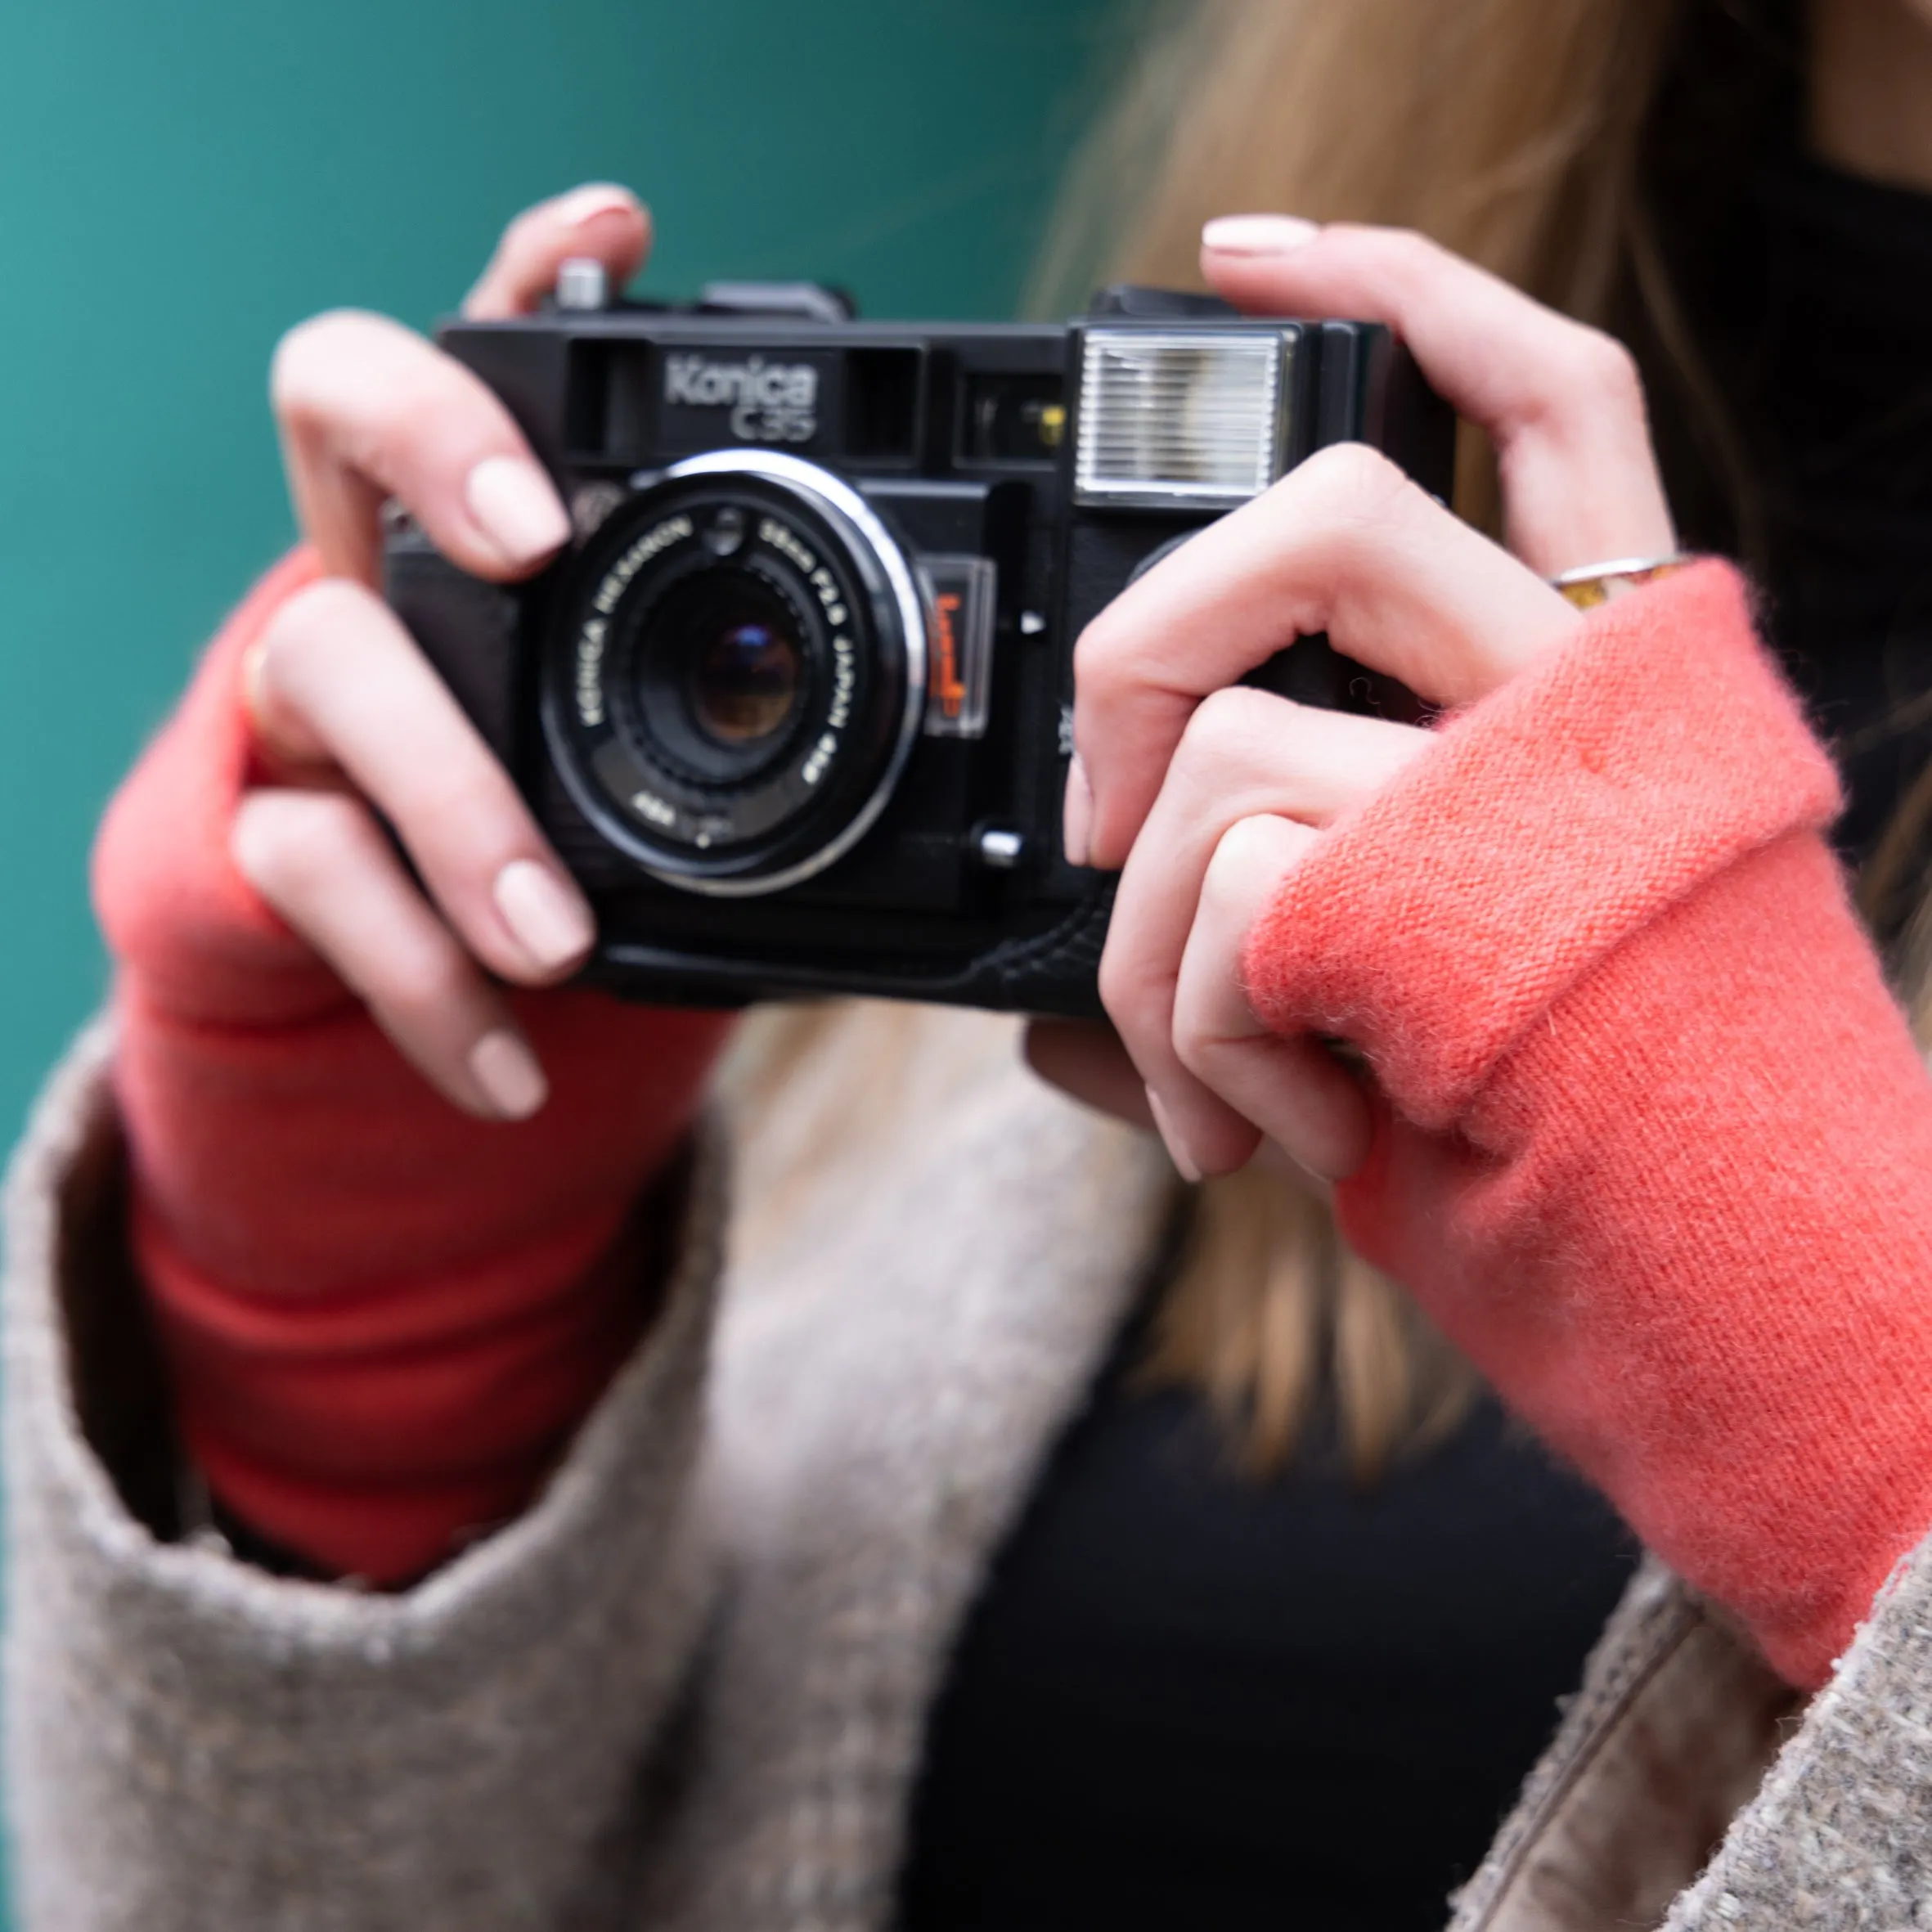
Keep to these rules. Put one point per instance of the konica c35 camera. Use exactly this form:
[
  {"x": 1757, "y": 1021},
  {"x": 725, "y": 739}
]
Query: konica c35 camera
[{"x": 795, "y": 704}]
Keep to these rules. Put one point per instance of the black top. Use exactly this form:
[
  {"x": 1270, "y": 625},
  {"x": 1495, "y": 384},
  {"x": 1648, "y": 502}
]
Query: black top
[
  {"x": 1185, "y": 1698},
  {"x": 1816, "y": 309}
]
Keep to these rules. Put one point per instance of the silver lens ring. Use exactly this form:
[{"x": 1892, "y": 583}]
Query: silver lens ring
[{"x": 839, "y": 503}]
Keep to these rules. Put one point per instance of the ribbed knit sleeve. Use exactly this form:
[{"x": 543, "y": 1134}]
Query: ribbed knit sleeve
[{"x": 1656, "y": 1143}]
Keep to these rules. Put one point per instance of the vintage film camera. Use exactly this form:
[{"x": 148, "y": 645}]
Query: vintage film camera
[{"x": 795, "y": 706}]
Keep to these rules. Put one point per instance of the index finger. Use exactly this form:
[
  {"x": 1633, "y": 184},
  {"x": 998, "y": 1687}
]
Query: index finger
[
  {"x": 599, "y": 221},
  {"x": 1562, "y": 401}
]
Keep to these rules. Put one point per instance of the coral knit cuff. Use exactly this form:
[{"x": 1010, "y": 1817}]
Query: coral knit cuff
[
  {"x": 1656, "y": 1152},
  {"x": 382, "y": 1318}
]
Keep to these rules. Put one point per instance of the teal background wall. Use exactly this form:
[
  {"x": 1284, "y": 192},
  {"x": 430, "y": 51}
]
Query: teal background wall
[{"x": 179, "y": 184}]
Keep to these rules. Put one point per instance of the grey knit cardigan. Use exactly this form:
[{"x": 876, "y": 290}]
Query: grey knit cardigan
[{"x": 685, "y": 1691}]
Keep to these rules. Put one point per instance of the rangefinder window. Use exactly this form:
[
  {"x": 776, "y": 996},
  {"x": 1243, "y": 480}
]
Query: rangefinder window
[{"x": 610, "y": 401}]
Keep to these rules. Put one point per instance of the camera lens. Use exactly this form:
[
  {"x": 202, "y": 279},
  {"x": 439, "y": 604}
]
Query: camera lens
[
  {"x": 745, "y": 682},
  {"x": 737, "y": 673}
]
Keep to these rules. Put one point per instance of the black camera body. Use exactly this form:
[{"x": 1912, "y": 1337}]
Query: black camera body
[{"x": 795, "y": 705}]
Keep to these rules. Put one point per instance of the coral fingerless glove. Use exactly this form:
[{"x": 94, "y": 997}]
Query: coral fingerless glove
[
  {"x": 382, "y": 1318},
  {"x": 1656, "y": 1152}
]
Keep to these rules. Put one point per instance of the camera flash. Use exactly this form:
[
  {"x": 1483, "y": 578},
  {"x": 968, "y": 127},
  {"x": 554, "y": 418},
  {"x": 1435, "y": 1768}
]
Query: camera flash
[{"x": 1181, "y": 419}]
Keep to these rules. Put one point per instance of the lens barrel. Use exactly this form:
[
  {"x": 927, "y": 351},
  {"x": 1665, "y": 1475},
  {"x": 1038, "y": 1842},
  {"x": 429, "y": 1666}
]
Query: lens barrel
[{"x": 736, "y": 672}]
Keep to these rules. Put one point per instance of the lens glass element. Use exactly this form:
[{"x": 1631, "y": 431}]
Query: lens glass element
[
  {"x": 744, "y": 683},
  {"x": 723, "y": 671}
]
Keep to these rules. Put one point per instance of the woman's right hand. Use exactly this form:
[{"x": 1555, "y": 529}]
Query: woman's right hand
[
  {"x": 353, "y": 728},
  {"x": 384, "y": 1316}
]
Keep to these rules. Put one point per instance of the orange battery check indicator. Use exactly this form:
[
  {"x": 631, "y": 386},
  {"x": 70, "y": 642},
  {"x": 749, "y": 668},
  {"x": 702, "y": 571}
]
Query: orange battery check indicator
[
  {"x": 960, "y": 591},
  {"x": 948, "y": 687}
]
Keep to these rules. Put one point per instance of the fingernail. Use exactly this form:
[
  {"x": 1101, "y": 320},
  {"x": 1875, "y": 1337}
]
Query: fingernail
[
  {"x": 1258, "y": 234},
  {"x": 1177, "y": 1149},
  {"x": 516, "y": 509},
  {"x": 1076, "y": 828},
  {"x": 503, "y": 1066},
  {"x": 254, "y": 687},
  {"x": 585, "y": 204},
  {"x": 550, "y": 922}
]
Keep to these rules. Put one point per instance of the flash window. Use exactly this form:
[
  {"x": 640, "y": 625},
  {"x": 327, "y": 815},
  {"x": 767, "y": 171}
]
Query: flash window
[{"x": 1182, "y": 418}]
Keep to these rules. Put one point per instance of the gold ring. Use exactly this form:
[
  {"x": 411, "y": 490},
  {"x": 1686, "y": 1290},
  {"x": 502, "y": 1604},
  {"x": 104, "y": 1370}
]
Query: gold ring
[{"x": 1592, "y": 584}]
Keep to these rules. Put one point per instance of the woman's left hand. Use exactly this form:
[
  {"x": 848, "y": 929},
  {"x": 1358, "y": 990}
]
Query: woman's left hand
[{"x": 1208, "y": 793}]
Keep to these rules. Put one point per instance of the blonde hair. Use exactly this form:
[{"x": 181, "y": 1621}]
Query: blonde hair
[
  {"x": 1269, "y": 1311},
  {"x": 1507, "y": 129},
  {"x": 1514, "y": 132}
]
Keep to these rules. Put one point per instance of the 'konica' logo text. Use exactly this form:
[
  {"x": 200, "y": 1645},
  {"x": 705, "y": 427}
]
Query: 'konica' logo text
[{"x": 769, "y": 401}]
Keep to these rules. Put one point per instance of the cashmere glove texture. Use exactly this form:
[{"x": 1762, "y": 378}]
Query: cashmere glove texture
[
  {"x": 1654, "y": 1143},
  {"x": 382, "y": 1318}
]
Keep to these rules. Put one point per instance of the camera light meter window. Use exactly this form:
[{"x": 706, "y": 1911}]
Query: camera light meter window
[{"x": 1181, "y": 417}]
